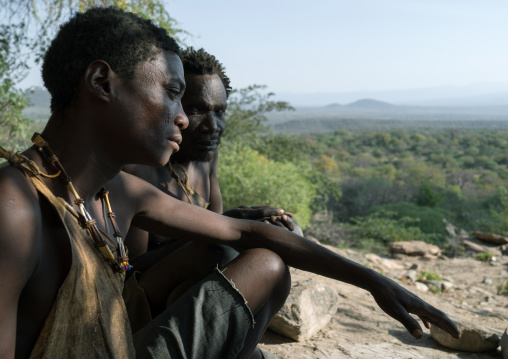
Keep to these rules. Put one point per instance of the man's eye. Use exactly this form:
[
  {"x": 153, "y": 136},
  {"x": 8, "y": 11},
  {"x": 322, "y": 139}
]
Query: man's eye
[
  {"x": 192, "y": 111},
  {"x": 173, "y": 92}
]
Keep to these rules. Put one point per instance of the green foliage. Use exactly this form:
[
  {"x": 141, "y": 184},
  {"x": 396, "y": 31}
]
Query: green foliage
[
  {"x": 248, "y": 178},
  {"x": 428, "y": 275},
  {"x": 427, "y": 197},
  {"x": 376, "y": 231},
  {"x": 246, "y": 112},
  {"x": 435, "y": 290},
  {"x": 484, "y": 257},
  {"x": 45, "y": 16},
  {"x": 13, "y": 124},
  {"x": 502, "y": 289},
  {"x": 497, "y": 222},
  {"x": 428, "y": 220}
]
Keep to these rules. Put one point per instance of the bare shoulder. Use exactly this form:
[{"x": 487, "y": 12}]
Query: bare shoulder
[
  {"x": 20, "y": 228},
  {"x": 19, "y": 211}
]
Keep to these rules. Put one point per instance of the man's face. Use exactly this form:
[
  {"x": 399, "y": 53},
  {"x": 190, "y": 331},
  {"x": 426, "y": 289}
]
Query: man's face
[
  {"x": 150, "y": 110},
  {"x": 204, "y": 103}
]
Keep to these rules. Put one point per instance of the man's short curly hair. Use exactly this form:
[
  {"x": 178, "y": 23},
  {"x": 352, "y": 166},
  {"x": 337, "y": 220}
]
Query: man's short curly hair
[
  {"x": 120, "y": 38},
  {"x": 200, "y": 62}
]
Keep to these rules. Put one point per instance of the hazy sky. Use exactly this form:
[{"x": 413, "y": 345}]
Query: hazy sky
[{"x": 342, "y": 46}]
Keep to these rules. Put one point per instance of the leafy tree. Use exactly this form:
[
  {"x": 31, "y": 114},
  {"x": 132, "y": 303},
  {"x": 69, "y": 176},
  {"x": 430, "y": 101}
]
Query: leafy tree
[
  {"x": 43, "y": 17},
  {"x": 376, "y": 231},
  {"x": 246, "y": 115},
  {"x": 430, "y": 220},
  {"x": 248, "y": 178},
  {"x": 13, "y": 124}
]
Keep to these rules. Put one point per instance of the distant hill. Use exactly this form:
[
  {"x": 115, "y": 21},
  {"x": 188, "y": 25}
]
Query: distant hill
[
  {"x": 370, "y": 104},
  {"x": 40, "y": 97},
  {"x": 38, "y": 108},
  {"x": 333, "y": 105},
  {"x": 479, "y": 94}
]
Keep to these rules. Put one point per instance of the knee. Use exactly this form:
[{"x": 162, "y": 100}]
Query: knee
[{"x": 275, "y": 271}]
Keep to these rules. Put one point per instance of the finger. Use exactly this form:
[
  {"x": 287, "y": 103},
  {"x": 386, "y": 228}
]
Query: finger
[
  {"x": 287, "y": 222},
  {"x": 438, "y": 318},
  {"x": 425, "y": 321},
  {"x": 410, "y": 324},
  {"x": 289, "y": 214}
]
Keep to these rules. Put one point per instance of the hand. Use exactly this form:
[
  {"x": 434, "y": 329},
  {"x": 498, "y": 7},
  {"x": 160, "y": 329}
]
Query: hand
[
  {"x": 267, "y": 214},
  {"x": 398, "y": 302}
]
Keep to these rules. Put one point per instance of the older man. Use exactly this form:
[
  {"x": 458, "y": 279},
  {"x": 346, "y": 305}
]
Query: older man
[{"x": 116, "y": 83}]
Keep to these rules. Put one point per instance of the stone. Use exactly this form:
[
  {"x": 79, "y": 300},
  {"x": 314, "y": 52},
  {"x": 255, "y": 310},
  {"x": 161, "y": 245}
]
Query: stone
[
  {"x": 473, "y": 338},
  {"x": 504, "y": 344},
  {"x": 412, "y": 274},
  {"x": 415, "y": 248},
  {"x": 477, "y": 246},
  {"x": 487, "y": 281},
  {"x": 446, "y": 286},
  {"x": 309, "y": 307},
  {"x": 422, "y": 287},
  {"x": 384, "y": 263},
  {"x": 490, "y": 237}
]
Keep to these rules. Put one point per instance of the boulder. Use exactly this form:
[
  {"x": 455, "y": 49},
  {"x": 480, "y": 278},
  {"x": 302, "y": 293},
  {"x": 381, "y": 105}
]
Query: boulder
[
  {"x": 473, "y": 338},
  {"x": 415, "y": 248},
  {"x": 476, "y": 246},
  {"x": 309, "y": 307},
  {"x": 490, "y": 238},
  {"x": 504, "y": 344}
]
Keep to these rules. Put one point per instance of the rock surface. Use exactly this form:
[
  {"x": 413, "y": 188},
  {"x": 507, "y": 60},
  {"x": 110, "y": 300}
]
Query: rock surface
[
  {"x": 414, "y": 248},
  {"x": 476, "y": 246},
  {"x": 490, "y": 237},
  {"x": 474, "y": 338},
  {"x": 309, "y": 307},
  {"x": 360, "y": 330}
]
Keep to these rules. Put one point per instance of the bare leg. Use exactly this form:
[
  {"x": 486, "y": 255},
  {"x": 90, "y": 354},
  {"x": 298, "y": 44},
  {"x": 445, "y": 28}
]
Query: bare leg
[{"x": 264, "y": 280}]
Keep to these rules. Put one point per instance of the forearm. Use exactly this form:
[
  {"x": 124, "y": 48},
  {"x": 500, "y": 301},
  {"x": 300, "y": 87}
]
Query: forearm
[{"x": 306, "y": 255}]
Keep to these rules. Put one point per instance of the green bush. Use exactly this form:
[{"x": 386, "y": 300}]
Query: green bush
[
  {"x": 248, "y": 178},
  {"x": 484, "y": 257},
  {"x": 377, "y": 230},
  {"x": 428, "y": 275},
  {"x": 428, "y": 220}
]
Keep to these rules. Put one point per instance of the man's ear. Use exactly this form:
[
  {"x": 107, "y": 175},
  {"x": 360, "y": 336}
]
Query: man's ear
[{"x": 98, "y": 76}]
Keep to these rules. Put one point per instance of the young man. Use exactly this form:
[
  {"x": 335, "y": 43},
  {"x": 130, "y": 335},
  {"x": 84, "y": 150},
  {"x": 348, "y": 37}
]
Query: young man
[
  {"x": 116, "y": 83},
  {"x": 191, "y": 175}
]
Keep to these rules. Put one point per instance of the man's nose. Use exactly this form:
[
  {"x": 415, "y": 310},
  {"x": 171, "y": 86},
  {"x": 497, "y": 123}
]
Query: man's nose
[
  {"x": 210, "y": 123},
  {"x": 181, "y": 120}
]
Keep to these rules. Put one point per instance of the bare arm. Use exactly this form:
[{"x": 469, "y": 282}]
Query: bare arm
[
  {"x": 18, "y": 258},
  {"x": 169, "y": 217}
]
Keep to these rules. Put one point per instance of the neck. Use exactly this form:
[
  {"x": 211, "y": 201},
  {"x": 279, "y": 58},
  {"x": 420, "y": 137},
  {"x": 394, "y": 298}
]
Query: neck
[{"x": 82, "y": 154}]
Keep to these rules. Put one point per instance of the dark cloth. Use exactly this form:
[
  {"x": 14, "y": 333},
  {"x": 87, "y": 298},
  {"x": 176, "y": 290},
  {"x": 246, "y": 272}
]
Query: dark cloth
[{"x": 210, "y": 320}]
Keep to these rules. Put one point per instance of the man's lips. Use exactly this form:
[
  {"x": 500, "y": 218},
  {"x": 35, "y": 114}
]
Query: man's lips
[
  {"x": 174, "y": 142},
  {"x": 208, "y": 144}
]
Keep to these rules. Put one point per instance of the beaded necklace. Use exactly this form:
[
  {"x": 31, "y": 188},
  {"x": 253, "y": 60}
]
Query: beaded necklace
[{"x": 120, "y": 261}]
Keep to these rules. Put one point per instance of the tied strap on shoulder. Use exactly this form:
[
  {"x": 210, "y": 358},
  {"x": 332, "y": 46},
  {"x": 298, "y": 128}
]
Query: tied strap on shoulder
[{"x": 17, "y": 159}]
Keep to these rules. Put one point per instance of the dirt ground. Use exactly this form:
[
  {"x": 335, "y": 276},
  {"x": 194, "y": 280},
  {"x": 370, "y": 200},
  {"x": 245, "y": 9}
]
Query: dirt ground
[{"x": 360, "y": 329}]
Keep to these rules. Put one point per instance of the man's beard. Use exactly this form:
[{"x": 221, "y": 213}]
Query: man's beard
[{"x": 180, "y": 158}]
